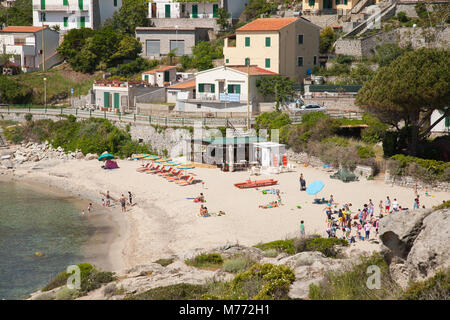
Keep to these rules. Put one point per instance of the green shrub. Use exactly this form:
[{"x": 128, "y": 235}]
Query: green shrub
[
  {"x": 324, "y": 245},
  {"x": 376, "y": 130},
  {"x": 181, "y": 291},
  {"x": 28, "y": 117},
  {"x": 366, "y": 152},
  {"x": 351, "y": 283},
  {"x": 401, "y": 16},
  {"x": 263, "y": 282},
  {"x": 279, "y": 245},
  {"x": 67, "y": 294},
  {"x": 434, "y": 288},
  {"x": 210, "y": 260},
  {"x": 164, "y": 262},
  {"x": 443, "y": 205},
  {"x": 58, "y": 281},
  {"x": 271, "y": 253},
  {"x": 427, "y": 170},
  {"x": 237, "y": 264},
  {"x": 345, "y": 59}
]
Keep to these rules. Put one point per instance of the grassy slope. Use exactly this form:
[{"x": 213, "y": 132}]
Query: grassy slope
[{"x": 59, "y": 82}]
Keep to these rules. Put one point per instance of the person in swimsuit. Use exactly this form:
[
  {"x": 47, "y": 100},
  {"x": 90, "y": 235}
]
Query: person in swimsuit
[
  {"x": 108, "y": 199},
  {"x": 123, "y": 202}
]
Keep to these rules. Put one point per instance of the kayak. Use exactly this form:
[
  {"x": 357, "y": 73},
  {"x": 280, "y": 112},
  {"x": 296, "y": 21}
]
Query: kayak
[{"x": 256, "y": 183}]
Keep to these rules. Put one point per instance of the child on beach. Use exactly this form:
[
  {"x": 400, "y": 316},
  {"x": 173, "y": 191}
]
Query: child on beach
[
  {"x": 82, "y": 213},
  {"x": 387, "y": 205},
  {"x": 103, "y": 202},
  {"x": 108, "y": 199},
  {"x": 367, "y": 228},
  {"x": 89, "y": 207},
  {"x": 302, "y": 229},
  {"x": 381, "y": 207}
]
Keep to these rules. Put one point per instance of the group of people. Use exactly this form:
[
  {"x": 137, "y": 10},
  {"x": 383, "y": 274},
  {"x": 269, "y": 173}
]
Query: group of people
[{"x": 363, "y": 221}]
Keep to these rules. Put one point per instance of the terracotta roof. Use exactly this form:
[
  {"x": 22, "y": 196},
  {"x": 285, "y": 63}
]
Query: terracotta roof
[
  {"x": 267, "y": 24},
  {"x": 160, "y": 69},
  {"x": 22, "y": 29},
  {"x": 184, "y": 85},
  {"x": 254, "y": 70}
]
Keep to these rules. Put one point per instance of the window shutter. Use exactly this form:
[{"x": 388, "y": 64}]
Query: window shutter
[
  {"x": 337, "y": 2},
  {"x": 345, "y": 1},
  {"x": 247, "y": 61},
  {"x": 212, "y": 88},
  {"x": 66, "y": 21},
  {"x": 447, "y": 121},
  {"x": 267, "y": 63},
  {"x": 115, "y": 3},
  {"x": 230, "y": 88},
  {"x": 267, "y": 41},
  {"x": 80, "y": 4},
  {"x": 201, "y": 87},
  {"x": 315, "y": 60},
  {"x": 300, "y": 39},
  {"x": 300, "y": 61},
  {"x": 65, "y": 2},
  {"x": 247, "y": 41},
  {"x": 311, "y": 3},
  {"x": 238, "y": 88}
]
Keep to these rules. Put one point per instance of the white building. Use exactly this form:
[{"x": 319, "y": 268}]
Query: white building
[
  {"x": 175, "y": 9},
  {"x": 226, "y": 89},
  {"x": 25, "y": 43},
  {"x": 443, "y": 125},
  {"x": 73, "y": 14},
  {"x": 181, "y": 91},
  {"x": 161, "y": 77}
]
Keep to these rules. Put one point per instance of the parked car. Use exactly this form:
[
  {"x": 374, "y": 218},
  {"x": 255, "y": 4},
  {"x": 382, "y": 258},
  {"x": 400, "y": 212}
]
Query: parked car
[{"x": 313, "y": 108}]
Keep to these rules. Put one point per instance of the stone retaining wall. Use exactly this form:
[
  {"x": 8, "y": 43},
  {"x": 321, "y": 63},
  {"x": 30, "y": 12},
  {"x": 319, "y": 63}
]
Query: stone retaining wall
[{"x": 411, "y": 182}]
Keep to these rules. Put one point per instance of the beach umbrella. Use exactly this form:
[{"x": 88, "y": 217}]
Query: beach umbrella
[
  {"x": 314, "y": 187},
  {"x": 171, "y": 164},
  {"x": 151, "y": 158},
  {"x": 185, "y": 166},
  {"x": 139, "y": 156},
  {"x": 163, "y": 160},
  {"x": 105, "y": 156}
]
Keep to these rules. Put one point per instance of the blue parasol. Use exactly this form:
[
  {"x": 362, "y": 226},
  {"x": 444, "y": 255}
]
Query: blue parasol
[
  {"x": 314, "y": 187},
  {"x": 105, "y": 156}
]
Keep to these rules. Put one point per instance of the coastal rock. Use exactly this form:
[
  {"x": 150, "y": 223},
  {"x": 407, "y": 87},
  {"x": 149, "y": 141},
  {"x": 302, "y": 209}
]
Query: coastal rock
[
  {"x": 416, "y": 243},
  {"x": 79, "y": 155},
  {"x": 91, "y": 156}
]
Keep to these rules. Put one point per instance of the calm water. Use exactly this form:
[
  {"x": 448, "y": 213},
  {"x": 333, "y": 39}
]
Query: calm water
[{"x": 36, "y": 222}]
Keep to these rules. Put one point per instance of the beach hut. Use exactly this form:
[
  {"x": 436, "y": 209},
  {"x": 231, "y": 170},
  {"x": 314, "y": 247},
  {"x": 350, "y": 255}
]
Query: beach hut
[{"x": 270, "y": 154}]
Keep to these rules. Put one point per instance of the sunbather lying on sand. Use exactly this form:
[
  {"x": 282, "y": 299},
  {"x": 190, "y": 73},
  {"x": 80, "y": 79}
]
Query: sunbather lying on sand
[
  {"x": 272, "y": 204},
  {"x": 200, "y": 198}
]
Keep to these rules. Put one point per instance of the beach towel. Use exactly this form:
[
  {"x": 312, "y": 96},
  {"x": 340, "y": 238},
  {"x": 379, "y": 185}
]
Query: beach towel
[{"x": 110, "y": 164}]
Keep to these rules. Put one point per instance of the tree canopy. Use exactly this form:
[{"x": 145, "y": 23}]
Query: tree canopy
[
  {"x": 88, "y": 50},
  {"x": 327, "y": 39},
  {"x": 132, "y": 14},
  {"x": 279, "y": 87},
  {"x": 20, "y": 14},
  {"x": 406, "y": 92}
]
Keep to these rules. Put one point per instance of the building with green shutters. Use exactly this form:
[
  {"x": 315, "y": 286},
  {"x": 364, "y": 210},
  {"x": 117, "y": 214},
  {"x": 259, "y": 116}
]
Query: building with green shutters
[{"x": 73, "y": 14}]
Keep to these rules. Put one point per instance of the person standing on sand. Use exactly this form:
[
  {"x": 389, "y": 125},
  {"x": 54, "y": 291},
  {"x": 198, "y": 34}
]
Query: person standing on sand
[
  {"x": 123, "y": 202},
  {"x": 302, "y": 183},
  {"x": 302, "y": 229},
  {"x": 82, "y": 213},
  {"x": 387, "y": 205},
  {"x": 89, "y": 207},
  {"x": 130, "y": 198},
  {"x": 381, "y": 207},
  {"x": 108, "y": 199},
  {"x": 367, "y": 228}
]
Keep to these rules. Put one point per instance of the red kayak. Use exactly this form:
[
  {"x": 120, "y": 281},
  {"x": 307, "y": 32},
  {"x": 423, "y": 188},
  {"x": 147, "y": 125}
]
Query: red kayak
[{"x": 256, "y": 183}]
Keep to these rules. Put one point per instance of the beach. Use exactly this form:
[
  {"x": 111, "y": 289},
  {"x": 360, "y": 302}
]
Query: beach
[{"x": 164, "y": 221}]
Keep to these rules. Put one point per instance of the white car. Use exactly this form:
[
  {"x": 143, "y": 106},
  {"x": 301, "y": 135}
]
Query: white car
[{"x": 313, "y": 108}]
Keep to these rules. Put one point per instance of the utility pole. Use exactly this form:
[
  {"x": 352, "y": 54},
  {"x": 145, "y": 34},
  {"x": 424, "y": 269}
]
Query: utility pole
[
  {"x": 248, "y": 93},
  {"x": 45, "y": 93},
  {"x": 43, "y": 48}
]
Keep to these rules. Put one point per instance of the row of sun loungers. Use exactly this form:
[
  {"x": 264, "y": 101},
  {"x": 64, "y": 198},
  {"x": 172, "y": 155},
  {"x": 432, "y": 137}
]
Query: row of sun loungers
[{"x": 170, "y": 174}]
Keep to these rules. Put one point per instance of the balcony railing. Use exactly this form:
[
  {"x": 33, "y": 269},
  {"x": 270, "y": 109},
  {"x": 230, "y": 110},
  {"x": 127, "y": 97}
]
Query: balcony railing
[{"x": 61, "y": 8}]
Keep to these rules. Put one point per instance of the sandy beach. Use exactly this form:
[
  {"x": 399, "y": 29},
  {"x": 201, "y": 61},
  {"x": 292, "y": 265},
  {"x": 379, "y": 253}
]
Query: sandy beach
[{"x": 164, "y": 222}]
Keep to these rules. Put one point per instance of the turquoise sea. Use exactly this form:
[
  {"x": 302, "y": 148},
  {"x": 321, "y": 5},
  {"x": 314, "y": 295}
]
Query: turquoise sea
[{"x": 32, "y": 221}]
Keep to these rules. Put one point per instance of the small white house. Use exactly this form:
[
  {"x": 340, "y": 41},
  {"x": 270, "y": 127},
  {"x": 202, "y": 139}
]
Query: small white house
[
  {"x": 443, "y": 126},
  {"x": 73, "y": 14},
  {"x": 161, "y": 77},
  {"x": 225, "y": 89},
  {"x": 181, "y": 91},
  {"x": 30, "y": 46},
  {"x": 270, "y": 154}
]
